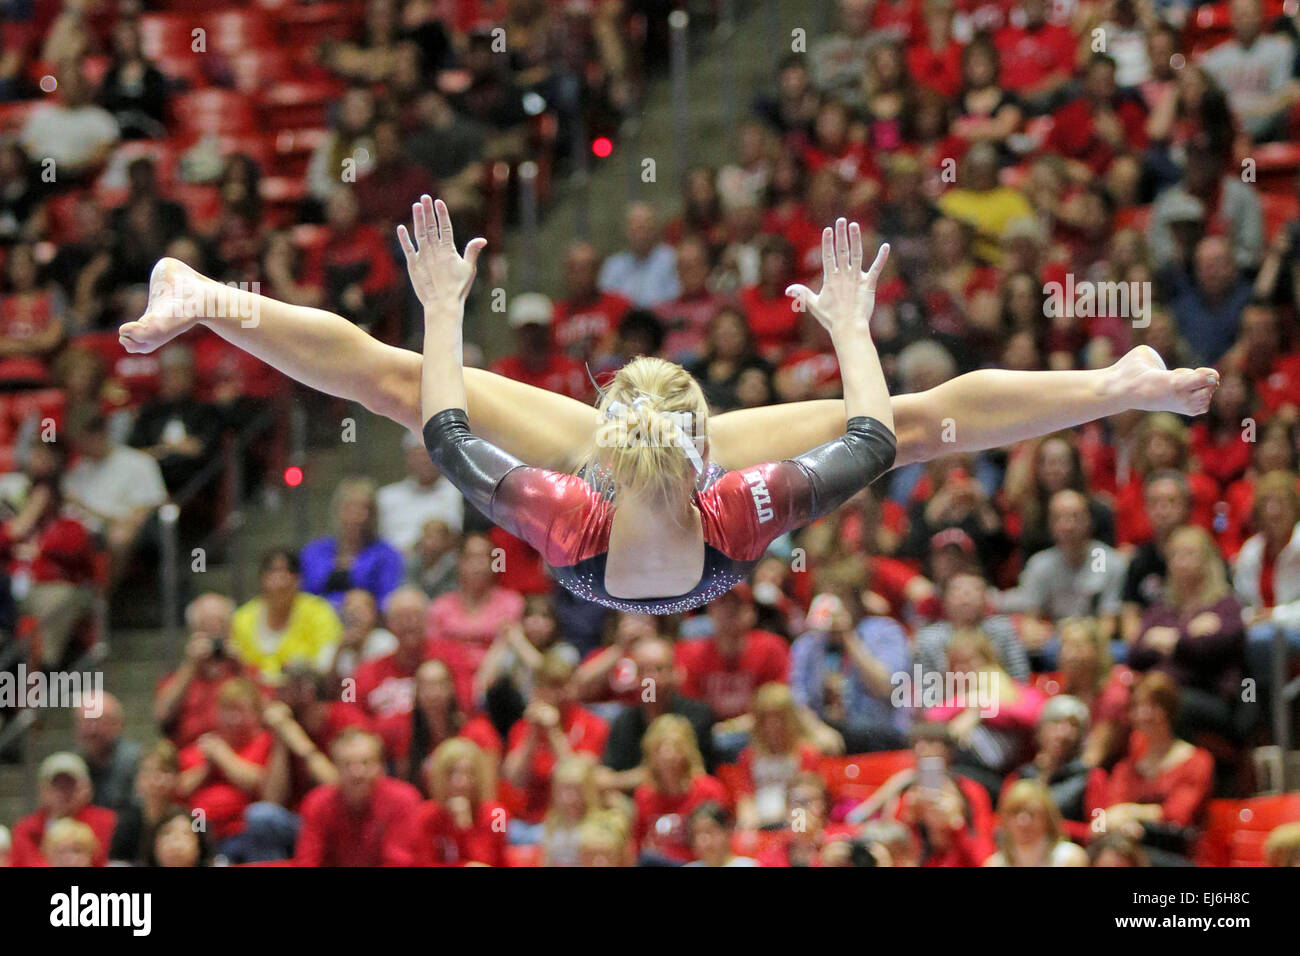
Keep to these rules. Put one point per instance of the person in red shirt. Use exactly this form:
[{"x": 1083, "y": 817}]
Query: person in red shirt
[
  {"x": 462, "y": 825},
  {"x": 1162, "y": 787},
  {"x": 31, "y": 323},
  {"x": 537, "y": 361},
  {"x": 353, "y": 266},
  {"x": 770, "y": 313},
  {"x": 364, "y": 819},
  {"x": 385, "y": 687},
  {"x": 305, "y": 722},
  {"x": 49, "y": 557},
  {"x": 686, "y": 318},
  {"x": 1038, "y": 57},
  {"x": 675, "y": 785},
  {"x": 935, "y": 63},
  {"x": 808, "y": 829},
  {"x": 1102, "y": 123},
  {"x": 185, "y": 701},
  {"x": 222, "y": 773},
  {"x": 65, "y": 793},
  {"x": 1273, "y": 371},
  {"x": 609, "y": 674},
  {"x": 810, "y": 370},
  {"x": 586, "y": 319},
  {"x": 725, "y": 669},
  {"x": 1163, "y": 446},
  {"x": 553, "y": 727}
]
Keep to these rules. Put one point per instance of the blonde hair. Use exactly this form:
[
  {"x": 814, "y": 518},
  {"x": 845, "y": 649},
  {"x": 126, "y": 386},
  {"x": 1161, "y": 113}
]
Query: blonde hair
[
  {"x": 1162, "y": 423},
  {"x": 1282, "y": 848},
  {"x": 348, "y": 487},
  {"x": 775, "y": 697},
  {"x": 1033, "y": 795},
  {"x": 68, "y": 830},
  {"x": 450, "y": 752},
  {"x": 1214, "y": 580},
  {"x": 671, "y": 727},
  {"x": 579, "y": 770},
  {"x": 607, "y": 831},
  {"x": 1089, "y": 628},
  {"x": 650, "y": 412},
  {"x": 1280, "y": 483}
]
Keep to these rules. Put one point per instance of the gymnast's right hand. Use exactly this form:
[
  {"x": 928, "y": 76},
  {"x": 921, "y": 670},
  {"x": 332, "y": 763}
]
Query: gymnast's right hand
[
  {"x": 439, "y": 274},
  {"x": 848, "y": 295}
]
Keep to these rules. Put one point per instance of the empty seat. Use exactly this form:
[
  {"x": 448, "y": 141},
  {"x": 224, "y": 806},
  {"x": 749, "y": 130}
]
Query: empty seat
[{"x": 217, "y": 112}]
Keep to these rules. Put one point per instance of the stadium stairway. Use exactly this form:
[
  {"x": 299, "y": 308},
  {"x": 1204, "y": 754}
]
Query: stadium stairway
[{"x": 138, "y": 658}]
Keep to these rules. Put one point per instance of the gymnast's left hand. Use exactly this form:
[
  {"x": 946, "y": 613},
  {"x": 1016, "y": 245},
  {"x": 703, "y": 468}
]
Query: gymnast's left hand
[{"x": 440, "y": 275}]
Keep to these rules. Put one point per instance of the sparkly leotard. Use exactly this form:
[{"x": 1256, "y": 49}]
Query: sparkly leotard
[{"x": 567, "y": 518}]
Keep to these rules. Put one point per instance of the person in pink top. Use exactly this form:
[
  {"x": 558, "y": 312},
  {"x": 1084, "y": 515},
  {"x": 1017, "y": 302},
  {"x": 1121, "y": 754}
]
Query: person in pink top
[
  {"x": 989, "y": 714},
  {"x": 462, "y": 624}
]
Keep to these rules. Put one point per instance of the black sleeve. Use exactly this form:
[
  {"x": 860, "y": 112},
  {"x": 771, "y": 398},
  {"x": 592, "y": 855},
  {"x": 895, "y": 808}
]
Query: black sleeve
[
  {"x": 839, "y": 469},
  {"x": 473, "y": 465}
]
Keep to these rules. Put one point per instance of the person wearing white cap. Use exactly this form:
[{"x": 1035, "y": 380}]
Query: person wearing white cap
[
  {"x": 65, "y": 793},
  {"x": 536, "y": 361}
]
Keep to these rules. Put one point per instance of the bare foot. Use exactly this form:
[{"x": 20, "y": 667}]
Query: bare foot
[
  {"x": 172, "y": 286},
  {"x": 1151, "y": 387}
]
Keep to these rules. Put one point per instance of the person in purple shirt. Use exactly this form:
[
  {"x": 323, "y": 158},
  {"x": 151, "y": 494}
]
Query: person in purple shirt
[
  {"x": 354, "y": 557},
  {"x": 1195, "y": 635}
]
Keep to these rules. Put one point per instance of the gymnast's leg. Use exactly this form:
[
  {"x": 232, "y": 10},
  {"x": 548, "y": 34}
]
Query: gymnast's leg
[
  {"x": 328, "y": 353},
  {"x": 989, "y": 408}
]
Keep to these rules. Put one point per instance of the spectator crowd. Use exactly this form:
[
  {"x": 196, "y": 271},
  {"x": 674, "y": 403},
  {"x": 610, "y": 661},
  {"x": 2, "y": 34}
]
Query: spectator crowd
[{"x": 1066, "y": 652}]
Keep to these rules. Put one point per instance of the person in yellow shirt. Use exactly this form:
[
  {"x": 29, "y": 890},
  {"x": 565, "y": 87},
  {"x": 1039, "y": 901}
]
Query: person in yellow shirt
[
  {"x": 285, "y": 624},
  {"x": 982, "y": 203}
]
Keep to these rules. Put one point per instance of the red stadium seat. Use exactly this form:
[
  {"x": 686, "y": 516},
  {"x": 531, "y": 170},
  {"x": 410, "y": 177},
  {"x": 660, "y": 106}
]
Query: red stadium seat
[
  {"x": 1236, "y": 830},
  {"x": 858, "y": 776},
  {"x": 1278, "y": 209},
  {"x": 138, "y": 374},
  {"x": 282, "y": 196},
  {"x": 309, "y": 24},
  {"x": 297, "y": 104},
  {"x": 201, "y": 200},
  {"x": 238, "y": 29},
  {"x": 256, "y": 69},
  {"x": 167, "y": 35},
  {"x": 294, "y": 147},
  {"x": 215, "y": 112}
]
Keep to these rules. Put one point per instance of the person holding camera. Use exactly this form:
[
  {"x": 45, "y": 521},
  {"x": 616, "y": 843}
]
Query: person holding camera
[{"x": 185, "y": 703}]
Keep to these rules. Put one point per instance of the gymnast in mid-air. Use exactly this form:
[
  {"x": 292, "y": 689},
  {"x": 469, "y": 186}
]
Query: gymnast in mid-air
[{"x": 645, "y": 502}]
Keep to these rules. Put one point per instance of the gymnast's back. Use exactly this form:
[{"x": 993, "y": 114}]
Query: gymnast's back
[{"x": 567, "y": 517}]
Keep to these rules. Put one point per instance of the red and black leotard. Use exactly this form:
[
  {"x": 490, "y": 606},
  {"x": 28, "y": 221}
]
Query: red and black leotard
[{"x": 567, "y": 517}]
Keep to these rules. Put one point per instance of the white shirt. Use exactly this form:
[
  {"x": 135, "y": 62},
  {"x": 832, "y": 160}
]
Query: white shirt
[
  {"x": 405, "y": 507},
  {"x": 125, "y": 480},
  {"x": 71, "y": 137}
]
